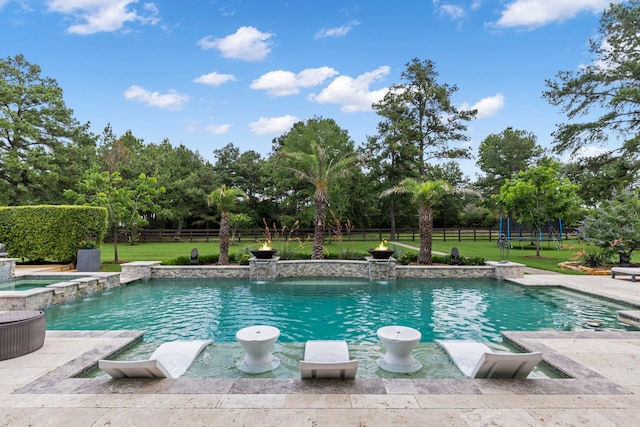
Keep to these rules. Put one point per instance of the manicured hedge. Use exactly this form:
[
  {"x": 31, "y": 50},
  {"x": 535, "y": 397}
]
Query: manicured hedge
[{"x": 50, "y": 233}]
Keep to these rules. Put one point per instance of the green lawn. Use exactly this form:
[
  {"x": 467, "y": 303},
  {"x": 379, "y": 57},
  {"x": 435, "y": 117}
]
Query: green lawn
[{"x": 548, "y": 260}]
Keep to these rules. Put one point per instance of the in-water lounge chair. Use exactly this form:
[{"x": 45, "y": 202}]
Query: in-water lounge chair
[
  {"x": 476, "y": 360},
  {"x": 170, "y": 360},
  {"x": 327, "y": 359}
]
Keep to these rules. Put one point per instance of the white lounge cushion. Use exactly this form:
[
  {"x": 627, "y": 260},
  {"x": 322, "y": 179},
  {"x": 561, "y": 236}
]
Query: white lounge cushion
[
  {"x": 170, "y": 360},
  {"x": 134, "y": 369},
  {"x": 476, "y": 360},
  {"x": 327, "y": 359}
]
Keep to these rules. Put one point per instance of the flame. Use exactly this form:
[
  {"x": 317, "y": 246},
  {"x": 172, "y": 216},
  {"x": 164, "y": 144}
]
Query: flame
[
  {"x": 265, "y": 247},
  {"x": 381, "y": 247}
]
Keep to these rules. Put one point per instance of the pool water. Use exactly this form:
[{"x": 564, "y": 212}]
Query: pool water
[
  {"x": 24, "y": 283},
  {"x": 351, "y": 310}
]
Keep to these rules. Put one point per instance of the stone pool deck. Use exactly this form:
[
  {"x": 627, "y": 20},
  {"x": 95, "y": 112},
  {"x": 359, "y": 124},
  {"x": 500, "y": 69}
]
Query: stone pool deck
[{"x": 38, "y": 389}]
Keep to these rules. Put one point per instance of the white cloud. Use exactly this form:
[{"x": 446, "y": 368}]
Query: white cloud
[
  {"x": 272, "y": 125},
  {"x": 283, "y": 83},
  {"x": 536, "y": 13},
  {"x": 453, "y": 11},
  {"x": 475, "y": 5},
  {"x": 94, "y": 16},
  {"x": 167, "y": 101},
  {"x": 337, "y": 31},
  {"x": 486, "y": 107},
  {"x": 586, "y": 152},
  {"x": 247, "y": 44},
  {"x": 218, "y": 129},
  {"x": 353, "y": 94},
  {"x": 215, "y": 79},
  {"x": 191, "y": 125}
]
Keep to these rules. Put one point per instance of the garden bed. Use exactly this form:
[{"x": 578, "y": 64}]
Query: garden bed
[{"x": 576, "y": 266}]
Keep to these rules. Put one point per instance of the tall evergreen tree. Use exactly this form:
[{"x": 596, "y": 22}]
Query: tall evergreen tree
[
  {"x": 602, "y": 99},
  {"x": 502, "y": 156},
  {"x": 421, "y": 113},
  {"x": 35, "y": 124}
]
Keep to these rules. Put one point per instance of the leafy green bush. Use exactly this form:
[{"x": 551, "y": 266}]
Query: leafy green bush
[
  {"x": 472, "y": 260},
  {"x": 409, "y": 257},
  {"x": 345, "y": 253},
  {"x": 181, "y": 260},
  {"x": 210, "y": 259},
  {"x": 186, "y": 260}
]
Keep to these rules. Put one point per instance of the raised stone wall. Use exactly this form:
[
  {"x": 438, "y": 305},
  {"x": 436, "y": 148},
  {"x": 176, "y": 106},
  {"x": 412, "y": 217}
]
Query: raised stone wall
[
  {"x": 200, "y": 272},
  {"x": 507, "y": 270},
  {"x": 323, "y": 268},
  {"x": 445, "y": 272},
  {"x": 58, "y": 293},
  {"x": 137, "y": 270},
  {"x": 326, "y": 268},
  {"x": 7, "y": 268}
]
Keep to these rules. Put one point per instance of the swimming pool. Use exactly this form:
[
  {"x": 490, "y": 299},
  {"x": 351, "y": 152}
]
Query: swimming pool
[{"x": 348, "y": 309}]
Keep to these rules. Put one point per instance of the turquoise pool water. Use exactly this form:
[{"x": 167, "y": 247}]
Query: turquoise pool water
[
  {"x": 351, "y": 309},
  {"x": 24, "y": 283}
]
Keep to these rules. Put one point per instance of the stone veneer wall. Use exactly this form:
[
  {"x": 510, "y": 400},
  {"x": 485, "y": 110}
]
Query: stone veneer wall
[
  {"x": 57, "y": 293},
  {"x": 324, "y": 268},
  {"x": 506, "y": 270},
  {"x": 200, "y": 272},
  {"x": 445, "y": 272},
  {"x": 7, "y": 268}
]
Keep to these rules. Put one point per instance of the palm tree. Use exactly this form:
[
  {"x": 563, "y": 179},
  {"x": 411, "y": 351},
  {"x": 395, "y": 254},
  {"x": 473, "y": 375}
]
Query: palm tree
[
  {"x": 319, "y": 168},
  {"x": 426, "y": 195},
  {"x": 226, "y": 200}
]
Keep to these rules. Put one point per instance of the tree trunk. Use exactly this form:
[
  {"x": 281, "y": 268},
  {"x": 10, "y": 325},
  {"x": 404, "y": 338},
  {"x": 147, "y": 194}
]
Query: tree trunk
[
  {"x": 224, "y": 238},
  {"x": 392, "y": 219},
  {"x": 115, "y": 246},
  {"x": 425, "y": 226},
  {"x": 318, "y": 224},
  {"x": 178, "y": 231}
]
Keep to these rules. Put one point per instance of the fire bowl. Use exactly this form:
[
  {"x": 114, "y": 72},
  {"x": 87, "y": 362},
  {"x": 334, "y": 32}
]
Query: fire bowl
[
  {"x": 381, "y": 253},
  {"x": 264, "y": 253}
]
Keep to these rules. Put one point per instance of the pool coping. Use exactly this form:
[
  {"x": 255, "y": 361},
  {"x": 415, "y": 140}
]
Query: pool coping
[{"x": 584, "y": 381}]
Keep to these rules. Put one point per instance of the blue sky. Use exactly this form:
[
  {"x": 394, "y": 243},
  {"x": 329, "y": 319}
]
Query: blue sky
[{"x": 205, "y": 73}]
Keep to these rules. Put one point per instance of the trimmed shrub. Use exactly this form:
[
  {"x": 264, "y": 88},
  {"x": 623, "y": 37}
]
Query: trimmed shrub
[{"x": 51, "y": 233}]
